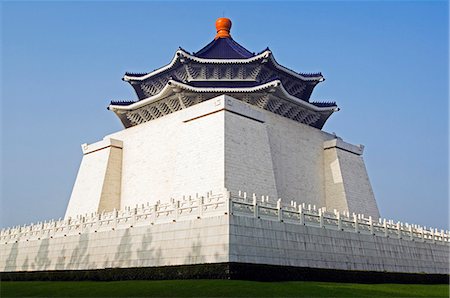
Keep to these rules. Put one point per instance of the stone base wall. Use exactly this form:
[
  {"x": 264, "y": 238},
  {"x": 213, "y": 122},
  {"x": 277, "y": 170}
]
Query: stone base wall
[
  {"x": 261, "y": 241},
  {"x": 222, "y": 228},
  {"x": 173, "y": 243}
]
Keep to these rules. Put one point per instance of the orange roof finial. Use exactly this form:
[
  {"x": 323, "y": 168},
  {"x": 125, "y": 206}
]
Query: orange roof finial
[{"x": 223, "y": 26}]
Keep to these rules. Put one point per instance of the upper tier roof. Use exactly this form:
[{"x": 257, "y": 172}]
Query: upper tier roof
[
  {"x": 224, "y": 48},
  {"x": 223, "y": 66}
]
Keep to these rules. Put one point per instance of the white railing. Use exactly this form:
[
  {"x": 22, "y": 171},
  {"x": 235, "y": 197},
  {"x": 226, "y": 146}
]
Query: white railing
[
  {"x": 187, "y": 208},
  {"x": 310, "y": 215},
  {"x": 239, "y": 204}
]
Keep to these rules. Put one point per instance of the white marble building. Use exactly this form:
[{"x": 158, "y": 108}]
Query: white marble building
[
  {"x": 222, "y": 143},
  {"x": 166, "y": 190}
]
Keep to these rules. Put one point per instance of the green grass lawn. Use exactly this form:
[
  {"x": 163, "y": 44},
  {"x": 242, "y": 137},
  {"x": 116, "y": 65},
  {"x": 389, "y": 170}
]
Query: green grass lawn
[{"x": 216, "y": 288}]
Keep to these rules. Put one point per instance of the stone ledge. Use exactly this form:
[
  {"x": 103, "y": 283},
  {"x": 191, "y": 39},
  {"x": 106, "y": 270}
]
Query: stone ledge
[
  {"x": 105, "y": 143},
  {"x": 339, "y": 143},
  {"x": 222, "y": 103}
]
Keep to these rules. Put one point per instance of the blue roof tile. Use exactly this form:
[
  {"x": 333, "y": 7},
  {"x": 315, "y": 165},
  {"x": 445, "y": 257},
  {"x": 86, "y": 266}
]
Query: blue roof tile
[{"x": 224, "y": 48}]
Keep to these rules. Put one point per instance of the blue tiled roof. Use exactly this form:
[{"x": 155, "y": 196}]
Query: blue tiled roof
[
  {"x": 122, "y": 102},
  {"x": 224, "y": 48},
  {"x": 324, "y": 104},
  {"x": 136, "y": 74}
]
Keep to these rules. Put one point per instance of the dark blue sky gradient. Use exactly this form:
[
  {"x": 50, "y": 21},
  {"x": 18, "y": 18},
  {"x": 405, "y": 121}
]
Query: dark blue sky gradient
[{"x": 385, "y": 64}]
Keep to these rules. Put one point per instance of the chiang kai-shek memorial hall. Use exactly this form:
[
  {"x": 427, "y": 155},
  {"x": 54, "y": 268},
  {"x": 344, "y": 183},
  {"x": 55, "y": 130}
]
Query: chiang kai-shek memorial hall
[{"x": 223, "y": 170}]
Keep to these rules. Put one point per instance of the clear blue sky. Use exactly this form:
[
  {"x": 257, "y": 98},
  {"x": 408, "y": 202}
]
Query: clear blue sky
[{"x": 385, "y": 63}]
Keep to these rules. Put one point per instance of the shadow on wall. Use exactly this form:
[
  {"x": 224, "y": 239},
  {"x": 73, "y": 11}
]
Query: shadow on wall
[
  {"x": 11, "y": 261},
  {"x": 42, "y": 261},
  {"x": 146, "y": 255},
  {"x": 195, "y": 255},
  {"x": 124, "y": 253},
  {"x": 25, "y": 264},
  {"x": 61, "y": 261},
  {"x": 79, "y": 254},
  {"x": 57, "y": 254}
]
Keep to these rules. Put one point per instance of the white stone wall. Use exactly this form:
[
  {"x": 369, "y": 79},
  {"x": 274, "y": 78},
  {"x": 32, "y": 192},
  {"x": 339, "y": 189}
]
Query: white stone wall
[
  {"x": 171, "y": 157},
  {"x": 224, "y": 142},
  {"x": 224, "y": 228},
  {"x": 261, "y": 241},
  {"x": 297, "y": 157},
  {"x": 248, "y": 157},
  {"x": 98, "y": 184},
  {"x": 347, "y": 185},
  {"x": 111, "y": 192},
  {"x": 196, "y": 241},
  {"x": 334, "y": 183}
]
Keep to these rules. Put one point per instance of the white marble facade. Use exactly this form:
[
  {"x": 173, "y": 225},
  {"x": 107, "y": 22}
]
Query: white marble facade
[
  {"x": 220, "y": 228},
  {"x": 139, "y": 201},
  {"x": 222, "y": 143}
]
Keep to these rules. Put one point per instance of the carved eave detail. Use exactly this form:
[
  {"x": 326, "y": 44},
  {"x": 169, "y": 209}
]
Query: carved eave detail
[
  {"x": 176, "y": 96},
  {"x": 187, "y": 68}
]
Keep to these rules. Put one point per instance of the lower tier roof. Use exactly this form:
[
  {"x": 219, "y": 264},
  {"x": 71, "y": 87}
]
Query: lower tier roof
[{"x": 176, "y": 96}]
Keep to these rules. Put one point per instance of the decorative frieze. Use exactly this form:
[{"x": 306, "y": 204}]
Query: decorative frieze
[
  {"x": 191, "y": 72},
  {"x": 267, "y": 101}
]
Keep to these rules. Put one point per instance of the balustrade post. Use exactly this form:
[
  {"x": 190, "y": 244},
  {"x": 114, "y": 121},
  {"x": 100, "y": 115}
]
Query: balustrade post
[
  {"x": 339, "y": 220},
  {"x": 66, "y": 228},
  {"x": 54, "y": 228},
  {"x": 386, "y": 232},
  {"x": 371, "y": 225},
  {"x": 399, "y": 231},
  {"x": 115, "y": 219},
  {"x": 300, "y": 211},
  {"x": 280, "y": 210},
  {"x": 40, "y": 234},
  {"x": 133, "y": 217},
  {"x": 255, "y": 207},
  {"x": 82, "y": 223},
  {"x": 200, "y": 207},
  {"x": 228, "y": 202},
  {"x": 320, "y": 218},
  {"x": 98, "y": 221},
  {"x": 355, "y": 220},
  {"x": 176, "y": 209}
]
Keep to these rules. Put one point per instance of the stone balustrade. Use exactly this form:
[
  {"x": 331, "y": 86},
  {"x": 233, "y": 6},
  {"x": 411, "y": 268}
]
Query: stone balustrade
[
  {"x": 310, "y": 215},
  {"x": 212, "y": 204}
]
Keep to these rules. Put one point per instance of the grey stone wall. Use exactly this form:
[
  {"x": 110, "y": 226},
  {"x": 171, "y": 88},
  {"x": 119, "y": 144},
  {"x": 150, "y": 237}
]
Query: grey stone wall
[
  {"x": 195, "y": 241},
  {"x": 259, "y": 241}
]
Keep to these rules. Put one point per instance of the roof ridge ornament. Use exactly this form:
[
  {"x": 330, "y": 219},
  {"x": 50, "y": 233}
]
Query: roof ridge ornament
[{"x": 223, "y": 27}]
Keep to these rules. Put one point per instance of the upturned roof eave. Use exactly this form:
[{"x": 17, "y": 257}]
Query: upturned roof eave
[
  {"x": 318, "y": 78},
  {"x": 267, "y": 54},
  {"x": 168, "y": 89}
]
